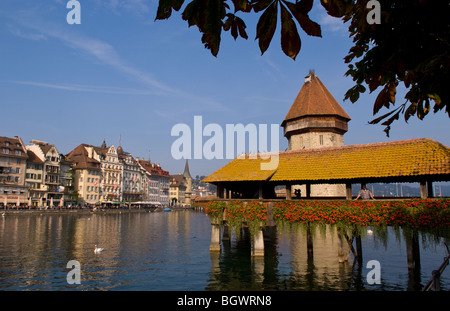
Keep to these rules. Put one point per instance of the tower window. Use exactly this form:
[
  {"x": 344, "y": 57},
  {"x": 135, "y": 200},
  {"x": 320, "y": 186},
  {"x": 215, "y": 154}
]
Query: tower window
[{"x": 321, "y": 139}]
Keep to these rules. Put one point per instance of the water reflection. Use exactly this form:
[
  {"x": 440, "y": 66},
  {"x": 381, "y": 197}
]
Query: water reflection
[
  {"x": 324, "y": 258},
  {"x": 170, "y": 251}
]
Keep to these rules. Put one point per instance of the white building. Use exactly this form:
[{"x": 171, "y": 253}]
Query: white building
[
  {"x": 156, "y": 188},
  {"x": 133, "y": 176}
]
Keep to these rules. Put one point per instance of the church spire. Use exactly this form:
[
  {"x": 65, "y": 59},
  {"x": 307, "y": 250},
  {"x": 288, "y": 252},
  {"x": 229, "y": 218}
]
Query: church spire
[
  {"x": 103, "y": 146},
  {"x": 186, "y": 173}
]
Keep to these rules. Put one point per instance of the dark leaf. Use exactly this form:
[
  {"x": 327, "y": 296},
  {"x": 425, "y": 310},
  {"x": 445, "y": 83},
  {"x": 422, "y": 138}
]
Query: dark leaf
[
  {"x": 382, "y": 100},
  {"x": 310, "y": 27},
  {"x": 290, "y": 41},
  {"x": 165, "y": 8},
  {"x": 352, "y": 94},
  {"x": 420, "y": 111},
  {"x": 207, "y": 16},
  {"x": 423, "y": 107},
  {"x": 266, "y": 26},
  {"x": 305, "y": 5},
  {"x": 374, "y": 83},
  {"x": 336, "y": 8},
  {"x": 236, "y": 25},
  {"x": 410, "y": 111},
  {"x": 241, "y": 27},
  {"x": 392, "y": 92},
  {"x": 259, "y": 5},
  {"x": 377, "y": 120},
  {"x": 242, "y": 5},
  {"x": 391, "y": 119},
  {"x": 192, "y": 14}
]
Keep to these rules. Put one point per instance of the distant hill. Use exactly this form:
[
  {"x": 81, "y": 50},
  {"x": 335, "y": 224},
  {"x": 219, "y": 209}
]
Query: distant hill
[{"x": 401, "y": 189}]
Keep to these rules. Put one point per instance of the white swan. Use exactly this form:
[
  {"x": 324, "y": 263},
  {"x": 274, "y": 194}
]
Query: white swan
[{"x": 97, "y": 249}]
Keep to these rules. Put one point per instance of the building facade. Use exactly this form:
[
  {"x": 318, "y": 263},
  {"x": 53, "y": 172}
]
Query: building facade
[
  {"x": 132, "y": 185},
  {"x": 38, "y": 175},
  {"x": 51, "y": 159},
  {"x": 13, "y": 157},
  {"x": 112, "y": 175},
  {"x": 177, "y": 190},
  {"x": 34, "y": 180},
  {"x": 86, "y": 174},
  {"x": 181, "y": 187},
  {"x": 156, "y": 183}
]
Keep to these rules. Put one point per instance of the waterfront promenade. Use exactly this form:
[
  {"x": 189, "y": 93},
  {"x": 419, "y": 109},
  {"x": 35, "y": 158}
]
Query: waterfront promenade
[{"x": 85, "y": 210}]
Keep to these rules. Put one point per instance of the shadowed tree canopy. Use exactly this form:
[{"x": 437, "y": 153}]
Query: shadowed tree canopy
[{"x": 409, "y": 43}]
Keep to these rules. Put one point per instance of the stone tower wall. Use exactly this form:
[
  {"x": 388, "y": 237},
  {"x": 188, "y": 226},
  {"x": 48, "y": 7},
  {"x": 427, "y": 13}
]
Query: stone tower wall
[{"x": 315, "y": 140}]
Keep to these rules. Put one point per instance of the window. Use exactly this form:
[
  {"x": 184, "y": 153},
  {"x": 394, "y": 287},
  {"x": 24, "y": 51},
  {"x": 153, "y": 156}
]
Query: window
[
  {"x": 321, "y": 139},
  {"x": 5, "y": 150},
  {"x": 18, "y": 152}
]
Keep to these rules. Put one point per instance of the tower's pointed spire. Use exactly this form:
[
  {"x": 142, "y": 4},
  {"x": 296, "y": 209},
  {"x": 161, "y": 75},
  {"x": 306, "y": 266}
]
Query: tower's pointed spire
[{"x": 186, "y": 173}]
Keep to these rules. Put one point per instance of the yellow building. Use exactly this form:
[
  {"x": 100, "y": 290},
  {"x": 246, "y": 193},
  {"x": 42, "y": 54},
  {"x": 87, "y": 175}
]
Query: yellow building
[
  {"x": 87, "y": 173},
  {"x": 181, "y": 187}
]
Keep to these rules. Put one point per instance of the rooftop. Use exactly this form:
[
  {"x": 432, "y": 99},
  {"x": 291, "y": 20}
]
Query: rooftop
[
  {"x": 314, "y": 99},
  {"x": 405, "y": 159}
]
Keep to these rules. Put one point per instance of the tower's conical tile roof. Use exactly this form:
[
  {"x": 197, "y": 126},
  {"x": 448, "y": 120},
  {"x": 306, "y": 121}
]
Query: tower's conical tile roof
[{"x": 314, "y": 99}]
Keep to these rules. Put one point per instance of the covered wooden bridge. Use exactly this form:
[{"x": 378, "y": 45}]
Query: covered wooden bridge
[{"x": 415, "y": 160}]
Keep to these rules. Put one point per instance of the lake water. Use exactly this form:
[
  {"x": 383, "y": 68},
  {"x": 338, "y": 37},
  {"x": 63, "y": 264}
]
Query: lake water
[{"x": 170, "y": 251}]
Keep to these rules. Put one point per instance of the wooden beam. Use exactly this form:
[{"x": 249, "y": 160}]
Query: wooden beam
[
  {"x": 348, "y": 191},
  {"x": 289, "y": 192},
  {"x": 423, "y": 189},
  {"x": 430, "y": 189},
  {"x": 220, "y": 190},
  {"x": 260, "y": 195},
  {"x": 308, "y": 190}
]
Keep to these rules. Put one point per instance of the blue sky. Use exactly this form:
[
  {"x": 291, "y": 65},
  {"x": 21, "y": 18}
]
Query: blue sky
[{"x": 122, "y": 74}]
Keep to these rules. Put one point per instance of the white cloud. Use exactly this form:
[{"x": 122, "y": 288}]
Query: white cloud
[
  {"x": 30, "y": 36},
  {"x": 135, "y": 6},
  {"x": 331, "y": 23},
  {"x": 327, "y": 22},
  {"x": 104, "y": 53},
  {"x": 85, "y": 88}
]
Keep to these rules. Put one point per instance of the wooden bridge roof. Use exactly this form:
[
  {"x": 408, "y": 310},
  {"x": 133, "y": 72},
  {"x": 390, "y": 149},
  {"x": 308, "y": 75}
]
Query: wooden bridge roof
[{"x": 409, "y": 160}]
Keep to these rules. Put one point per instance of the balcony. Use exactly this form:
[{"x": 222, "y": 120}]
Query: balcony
[{"x": 52, "y": 169}]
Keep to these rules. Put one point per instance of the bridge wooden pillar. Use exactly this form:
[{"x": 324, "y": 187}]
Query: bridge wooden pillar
[
  {"x": 215, "y": 238},
  {"x": 258, "y": 244}
]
